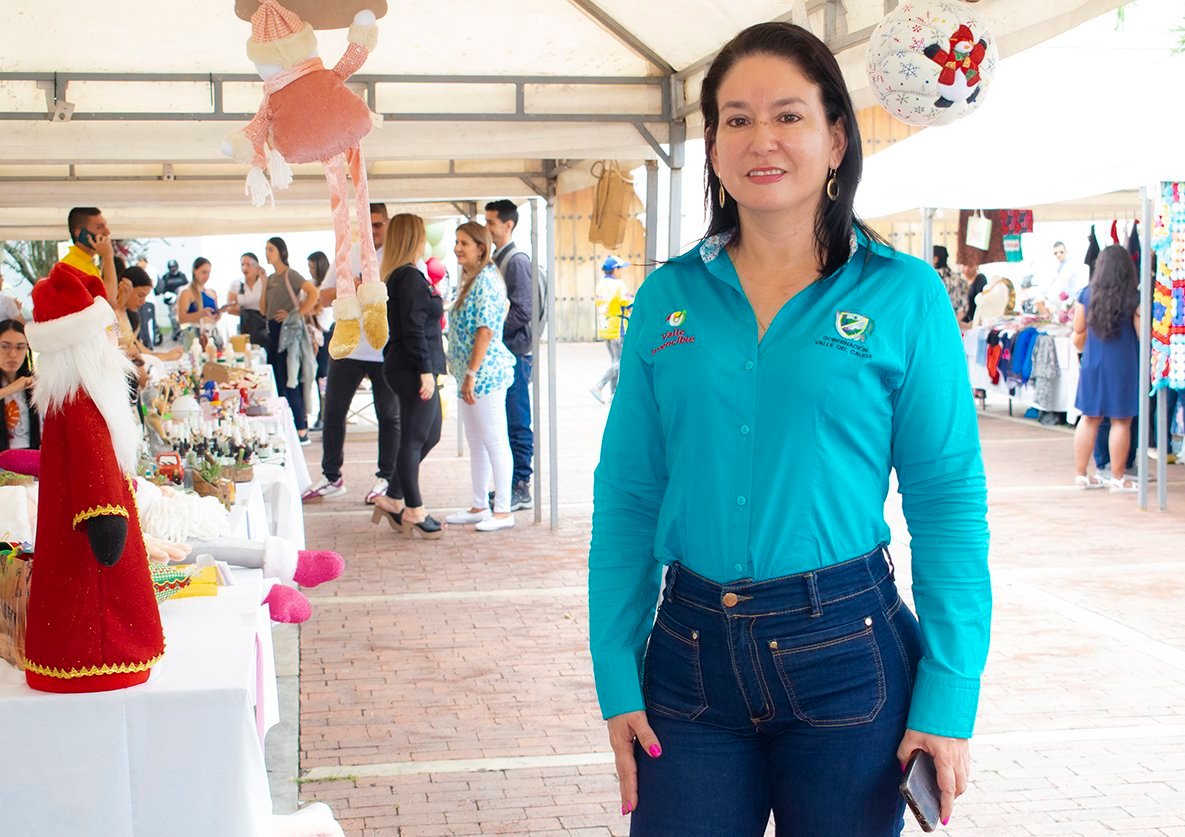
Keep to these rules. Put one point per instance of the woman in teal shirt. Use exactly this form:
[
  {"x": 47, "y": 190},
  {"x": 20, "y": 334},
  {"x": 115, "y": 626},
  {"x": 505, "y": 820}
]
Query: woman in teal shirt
[{"x": 770, "y": 381}]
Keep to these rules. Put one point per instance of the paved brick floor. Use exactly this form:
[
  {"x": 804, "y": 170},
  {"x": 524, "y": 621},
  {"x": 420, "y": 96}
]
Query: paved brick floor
[{"x": 446, "y": 687}]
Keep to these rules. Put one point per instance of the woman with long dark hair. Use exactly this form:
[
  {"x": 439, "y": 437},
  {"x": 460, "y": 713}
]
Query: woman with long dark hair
[
  {"x": 1106, "y": 331},
  {"x": 289, "y": 296},
  {"x": 196, "y": 305},
  {"x": 21, "y": 427},
  {"x": 323, "y": 318},
  {"x": 770, "y": 380}
]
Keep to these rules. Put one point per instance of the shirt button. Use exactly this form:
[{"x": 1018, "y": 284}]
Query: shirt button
[
  {"x": 748, "y": 365},
  {"x": 744, "y": 430},
  {"x": 738, "y": 568},
  {"x": 740, "y": 501}
]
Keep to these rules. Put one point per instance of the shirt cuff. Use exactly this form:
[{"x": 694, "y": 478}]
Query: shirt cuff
[
  {"x": 619, "y": 689},
  {"x": 943, "y": 705}
]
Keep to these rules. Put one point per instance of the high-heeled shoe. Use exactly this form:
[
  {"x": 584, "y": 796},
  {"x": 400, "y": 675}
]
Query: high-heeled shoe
[
  {"x": 428, "y": 528},
  {"x": 394, "y": 519}
]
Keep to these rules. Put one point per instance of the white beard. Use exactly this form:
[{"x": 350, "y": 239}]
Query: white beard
[{"x": 101, "y": 370}]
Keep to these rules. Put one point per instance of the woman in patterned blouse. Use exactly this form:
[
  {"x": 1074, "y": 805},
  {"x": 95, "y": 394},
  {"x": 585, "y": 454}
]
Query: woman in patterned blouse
[{"x": 484, "y": 369}]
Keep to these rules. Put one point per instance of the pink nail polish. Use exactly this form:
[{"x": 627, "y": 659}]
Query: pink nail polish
[
  {"x": 625, "y": 809},
  {"x": 655, "y": 750},
  {"x": 946, "y": 821}
]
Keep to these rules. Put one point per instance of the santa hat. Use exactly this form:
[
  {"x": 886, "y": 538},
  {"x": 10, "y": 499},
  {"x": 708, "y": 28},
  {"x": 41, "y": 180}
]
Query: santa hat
[
  {"x": 279, "y": 37},
  {"x": 963, "y": 33},
  {"x": 69, "y": 306}
]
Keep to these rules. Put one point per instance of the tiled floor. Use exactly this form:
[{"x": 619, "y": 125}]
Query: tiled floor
[{"x": 446, "y": 686}]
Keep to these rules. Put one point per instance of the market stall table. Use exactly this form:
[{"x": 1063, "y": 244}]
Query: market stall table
[{"x": 181, "y": 755}]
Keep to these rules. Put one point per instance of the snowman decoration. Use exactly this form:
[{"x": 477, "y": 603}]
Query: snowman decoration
[
  {"x": 959, "y": 79},
  {"x": 931, "y": 62},
  {"x": 308, "y": 115}
]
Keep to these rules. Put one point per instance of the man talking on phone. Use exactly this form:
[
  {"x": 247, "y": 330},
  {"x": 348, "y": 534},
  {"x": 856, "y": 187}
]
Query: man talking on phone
[{"x": 91, "y": 237}]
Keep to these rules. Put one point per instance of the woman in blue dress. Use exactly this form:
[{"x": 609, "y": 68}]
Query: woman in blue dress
[{"x": 1106, "y": 329}]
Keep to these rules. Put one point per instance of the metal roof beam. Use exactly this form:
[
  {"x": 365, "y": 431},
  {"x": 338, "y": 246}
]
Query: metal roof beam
[{"x": 627, "y": 38}]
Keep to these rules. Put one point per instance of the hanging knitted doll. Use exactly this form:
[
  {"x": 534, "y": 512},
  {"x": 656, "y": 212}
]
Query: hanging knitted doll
[{"x": 308, "y": 115}]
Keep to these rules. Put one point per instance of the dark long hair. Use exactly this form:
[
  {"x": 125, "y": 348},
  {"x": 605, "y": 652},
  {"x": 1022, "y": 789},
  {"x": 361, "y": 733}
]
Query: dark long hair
[
  {"x": 835, "y": 219},
  {"x": 320, "y": 266},
  {"x": 1114, "y": 293},
  {"x": 25, "y": 370},
  {"x": 280, "y": 245}
]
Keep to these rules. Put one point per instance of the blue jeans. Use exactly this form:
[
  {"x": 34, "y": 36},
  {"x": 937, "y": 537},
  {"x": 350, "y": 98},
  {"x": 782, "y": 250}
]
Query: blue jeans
[
  {"x": 518, "y": 418},
  {"x": 787, "y": 696}
]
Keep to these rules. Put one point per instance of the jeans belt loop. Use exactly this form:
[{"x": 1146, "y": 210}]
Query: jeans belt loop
[
  {"x": 672, "y": 574},
  {"x": 812, "y": 589},
  {"x": 889, "y": 561}
]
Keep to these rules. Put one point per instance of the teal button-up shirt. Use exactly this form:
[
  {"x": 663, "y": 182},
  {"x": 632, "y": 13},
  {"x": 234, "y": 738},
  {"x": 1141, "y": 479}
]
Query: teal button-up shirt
[{"x": 755, "y": 459}]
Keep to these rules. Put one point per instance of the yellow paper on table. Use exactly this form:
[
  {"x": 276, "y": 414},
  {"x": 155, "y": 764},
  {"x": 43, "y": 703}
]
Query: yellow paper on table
[{"x": 203, "y": 582}]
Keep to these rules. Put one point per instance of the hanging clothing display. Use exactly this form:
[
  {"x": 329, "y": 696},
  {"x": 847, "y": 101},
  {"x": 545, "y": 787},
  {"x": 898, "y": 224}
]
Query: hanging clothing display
[
  {"x": 1092, "y": 250},
  {"x": 1045, "y": 369},
  {"x": 1168, "y": 295}
]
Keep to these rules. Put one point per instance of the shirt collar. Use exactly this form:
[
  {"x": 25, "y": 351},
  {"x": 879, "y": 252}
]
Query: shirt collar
[{"x": 715, "y": 246}]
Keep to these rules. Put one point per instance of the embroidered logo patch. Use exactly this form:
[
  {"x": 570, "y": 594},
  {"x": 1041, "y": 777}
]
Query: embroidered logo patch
[
  {"x": 853, "y": 326},
  {"x": 676, "y": 319}
]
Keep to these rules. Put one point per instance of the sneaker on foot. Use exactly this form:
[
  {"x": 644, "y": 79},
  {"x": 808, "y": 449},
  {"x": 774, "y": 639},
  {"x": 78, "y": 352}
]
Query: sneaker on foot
[
  {"x": 493, "y": 524},
  {"x": 464, "y": 516},
  {"x": 520, "y": 496},
  {"x": 324, "y": 488},
  {"x": 380, "y": 487}
]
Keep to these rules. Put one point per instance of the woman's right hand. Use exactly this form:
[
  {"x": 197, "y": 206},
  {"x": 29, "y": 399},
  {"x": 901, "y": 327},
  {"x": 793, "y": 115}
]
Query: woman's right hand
[
  {"x": 623, "y": 731},
  {"x": 280, "y": 316},
  {"x": 427, "y": 386}
]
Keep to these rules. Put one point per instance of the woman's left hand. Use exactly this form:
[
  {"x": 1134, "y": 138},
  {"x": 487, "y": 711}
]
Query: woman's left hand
[
  {"x": 952, "y": 758},
  {"x": 280, "y": 316},
  {"x": 427, "y": 386},
  {"x": 468, "y": 390}
]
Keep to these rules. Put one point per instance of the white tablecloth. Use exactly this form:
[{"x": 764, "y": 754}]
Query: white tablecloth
[
  {"x": 283, "y": 485},
  {"x": 179, "y": 756},
  {"x": 1026, "y": 394}
]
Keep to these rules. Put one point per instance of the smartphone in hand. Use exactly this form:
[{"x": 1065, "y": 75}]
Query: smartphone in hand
[
  {"x": 86, "y": 238},
  {"x": 920, "y": 789}
]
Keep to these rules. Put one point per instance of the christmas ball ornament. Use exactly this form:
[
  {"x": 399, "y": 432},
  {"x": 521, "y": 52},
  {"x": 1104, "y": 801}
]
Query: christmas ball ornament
[{"x": 931, "y": 62}]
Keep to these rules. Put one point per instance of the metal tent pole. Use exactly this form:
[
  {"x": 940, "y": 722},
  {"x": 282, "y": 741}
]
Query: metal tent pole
[
  {"x": 1145, "y": 347},
  {"x": 651, "y": 215},
  {"x": 552, "y": 413},
  {"x": 927, "y": 234},
  {"x": 536, "y": 380},
  {"x": 678, "y": 158},
  {"x": 1146, "y": 293}
]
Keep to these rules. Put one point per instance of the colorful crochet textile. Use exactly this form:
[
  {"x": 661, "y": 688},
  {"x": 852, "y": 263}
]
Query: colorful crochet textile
[{"x": 1168, "y": 296}]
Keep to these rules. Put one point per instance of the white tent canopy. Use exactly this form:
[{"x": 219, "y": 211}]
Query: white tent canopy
[{"x": 480, "y": 100}]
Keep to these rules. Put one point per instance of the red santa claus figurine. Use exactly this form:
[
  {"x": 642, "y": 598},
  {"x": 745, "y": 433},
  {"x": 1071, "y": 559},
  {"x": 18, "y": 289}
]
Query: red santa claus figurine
[{"x": 93, "y": 621}]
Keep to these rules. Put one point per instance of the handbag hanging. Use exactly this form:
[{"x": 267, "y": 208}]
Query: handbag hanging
[{"x": 979, "y": 231}]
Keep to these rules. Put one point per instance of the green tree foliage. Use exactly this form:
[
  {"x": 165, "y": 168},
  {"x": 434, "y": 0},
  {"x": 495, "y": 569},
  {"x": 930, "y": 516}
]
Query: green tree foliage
[{"x": 31, "y": 260}]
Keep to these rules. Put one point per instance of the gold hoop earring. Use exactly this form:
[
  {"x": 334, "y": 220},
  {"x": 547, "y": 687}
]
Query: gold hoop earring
[
  {"x": 832, "y": 184},
  {"x": 723, "y": 198}
]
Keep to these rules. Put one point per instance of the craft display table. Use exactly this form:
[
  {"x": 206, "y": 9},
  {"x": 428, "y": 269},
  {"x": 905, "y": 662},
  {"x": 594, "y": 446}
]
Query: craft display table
[{"x": 181, "y": 755}]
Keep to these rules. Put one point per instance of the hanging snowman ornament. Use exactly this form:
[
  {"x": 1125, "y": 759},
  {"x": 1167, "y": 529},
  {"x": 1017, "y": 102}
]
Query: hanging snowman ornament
[{"x": 931, "y": 62}]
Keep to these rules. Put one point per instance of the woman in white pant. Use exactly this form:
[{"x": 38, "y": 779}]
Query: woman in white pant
[{"x": 484, "y": 369}]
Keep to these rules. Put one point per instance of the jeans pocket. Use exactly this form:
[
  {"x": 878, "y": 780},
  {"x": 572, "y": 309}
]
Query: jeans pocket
[
  {"x": 834, "y": 677},
  {"x": 672, "y": 680}
]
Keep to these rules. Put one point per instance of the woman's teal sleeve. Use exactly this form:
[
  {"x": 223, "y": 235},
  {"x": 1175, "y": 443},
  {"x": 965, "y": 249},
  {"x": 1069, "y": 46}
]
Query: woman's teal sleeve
[
  {"x": 623, "y": 574},
  {"x": 944, "y": 494}
]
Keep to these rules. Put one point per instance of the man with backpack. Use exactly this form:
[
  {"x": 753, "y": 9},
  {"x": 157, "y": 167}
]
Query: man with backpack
[{"x": 515, "y": 265}]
